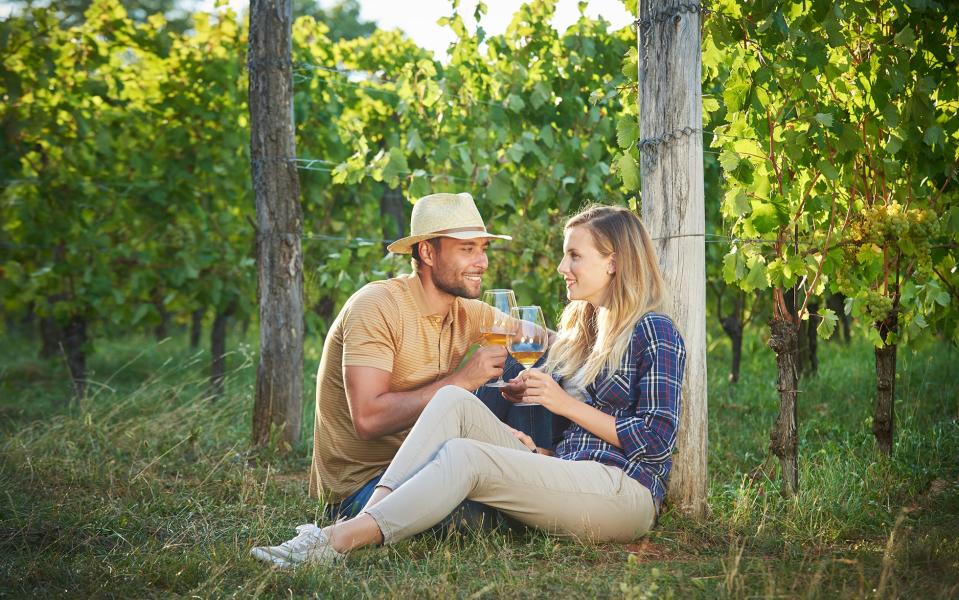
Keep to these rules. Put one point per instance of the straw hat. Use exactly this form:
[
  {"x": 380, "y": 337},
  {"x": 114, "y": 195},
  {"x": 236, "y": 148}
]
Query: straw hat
[{"x": 443, "y": 215}]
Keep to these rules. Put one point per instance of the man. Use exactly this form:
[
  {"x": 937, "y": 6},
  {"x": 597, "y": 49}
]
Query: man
[{"x": 394, "y": 344}]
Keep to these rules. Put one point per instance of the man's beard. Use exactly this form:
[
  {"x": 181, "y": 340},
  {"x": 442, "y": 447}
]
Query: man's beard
[{"x": 449, "y": 284}]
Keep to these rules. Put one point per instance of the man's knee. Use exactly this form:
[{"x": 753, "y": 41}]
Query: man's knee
[
  {"x": 464, "y": 452},
  {"x": 452, "y": 398}
]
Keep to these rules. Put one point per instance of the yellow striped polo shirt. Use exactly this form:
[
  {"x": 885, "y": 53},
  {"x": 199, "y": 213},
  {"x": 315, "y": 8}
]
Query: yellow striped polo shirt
[{"x": 387, "y": 325}]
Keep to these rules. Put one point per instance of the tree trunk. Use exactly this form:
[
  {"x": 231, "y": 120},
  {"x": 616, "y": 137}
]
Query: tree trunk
[
  {"x": 196, "y": 327},
  {"x": 279, "y": 216},
  {"x": 50, "y": 336},
  {"x": 218, "y": 350},
  {"x": 733, "y": 326},
  {"x": 883, "y": 422},
  {"x": 807, "y": 362},
  {"x": 670, "y": 94},
  {"x": 837, "y": 303},
  {"x": 392, "y": 216},
  {"x": 784, "y": 440},
  {"x": 74, "y": 348},
  {"x": 162, "y": 329},
  {"x": 51, "y": 332},
  {"x": 812, "y": 343}
]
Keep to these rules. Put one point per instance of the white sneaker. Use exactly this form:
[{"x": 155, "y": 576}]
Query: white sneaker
[{"x": 310, "y": 545}]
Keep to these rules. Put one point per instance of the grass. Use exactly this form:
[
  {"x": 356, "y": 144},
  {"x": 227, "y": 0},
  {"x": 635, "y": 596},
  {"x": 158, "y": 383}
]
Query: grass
[{"x": 148, "y": 488}]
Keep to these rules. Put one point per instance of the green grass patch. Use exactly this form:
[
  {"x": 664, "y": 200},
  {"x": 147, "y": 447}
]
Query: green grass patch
[{"x": 148, "y": 487}]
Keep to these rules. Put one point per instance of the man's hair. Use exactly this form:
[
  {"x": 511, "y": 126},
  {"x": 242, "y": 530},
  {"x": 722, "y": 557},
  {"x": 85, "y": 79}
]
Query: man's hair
[{"x": 415, "y": 261}]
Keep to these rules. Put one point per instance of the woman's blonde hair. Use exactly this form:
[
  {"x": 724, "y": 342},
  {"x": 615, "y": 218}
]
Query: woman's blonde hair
[{"x": 592, "y": 338}]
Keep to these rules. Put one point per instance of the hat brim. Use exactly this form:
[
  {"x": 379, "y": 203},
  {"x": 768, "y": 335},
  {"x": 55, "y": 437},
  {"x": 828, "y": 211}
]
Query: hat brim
[{"x": 405, "y": 245}]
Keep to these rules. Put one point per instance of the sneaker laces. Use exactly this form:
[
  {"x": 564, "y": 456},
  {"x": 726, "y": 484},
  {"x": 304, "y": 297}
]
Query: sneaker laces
[{"x": 306, "y": 536}]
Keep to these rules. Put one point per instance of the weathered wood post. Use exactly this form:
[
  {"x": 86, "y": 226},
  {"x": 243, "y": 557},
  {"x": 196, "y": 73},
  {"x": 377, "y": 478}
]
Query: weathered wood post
[
  {"x": 279, "y": 223},
  {"x": 671, "y": 166}
]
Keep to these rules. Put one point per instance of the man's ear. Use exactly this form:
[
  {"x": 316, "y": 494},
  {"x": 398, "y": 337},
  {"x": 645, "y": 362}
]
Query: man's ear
[{"x": 427, "y": 253}]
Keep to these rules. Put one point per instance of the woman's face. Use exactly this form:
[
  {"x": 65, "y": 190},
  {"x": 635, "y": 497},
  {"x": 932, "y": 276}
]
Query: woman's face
[{"x": 586, "y": 271}]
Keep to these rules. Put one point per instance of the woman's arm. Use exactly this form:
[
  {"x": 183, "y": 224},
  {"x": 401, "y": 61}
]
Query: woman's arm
[
  {"x": 542, "y": 389},
  {"x": 649, "y": 433}
]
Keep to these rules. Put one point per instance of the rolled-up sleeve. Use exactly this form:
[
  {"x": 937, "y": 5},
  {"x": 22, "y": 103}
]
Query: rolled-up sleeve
[{"x": 649, "y": 433}]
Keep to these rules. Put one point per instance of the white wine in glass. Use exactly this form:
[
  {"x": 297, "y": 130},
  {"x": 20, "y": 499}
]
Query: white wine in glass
[
  {"x": 496, "y": 326},
  {"x": 529, "y": 337}
]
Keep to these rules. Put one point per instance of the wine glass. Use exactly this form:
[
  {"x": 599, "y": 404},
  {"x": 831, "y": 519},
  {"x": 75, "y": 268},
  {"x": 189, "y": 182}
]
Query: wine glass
[
  {"x": 496, "y": 326},
  {"x": 528, "y": 337}
]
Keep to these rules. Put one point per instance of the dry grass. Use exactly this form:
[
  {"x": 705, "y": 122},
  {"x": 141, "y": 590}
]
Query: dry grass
[{"x": 147, "y": 488}]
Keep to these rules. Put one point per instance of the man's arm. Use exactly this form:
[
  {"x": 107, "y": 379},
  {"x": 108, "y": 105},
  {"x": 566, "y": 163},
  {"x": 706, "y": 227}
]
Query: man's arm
[{"x": 376, "y": 411}]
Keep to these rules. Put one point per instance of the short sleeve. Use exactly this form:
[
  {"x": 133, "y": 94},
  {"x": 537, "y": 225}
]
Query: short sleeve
[{"x": 369, "y": 329}]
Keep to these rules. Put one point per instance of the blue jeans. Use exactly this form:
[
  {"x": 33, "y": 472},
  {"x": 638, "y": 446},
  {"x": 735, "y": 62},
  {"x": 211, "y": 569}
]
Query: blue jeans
[{"x": 544, "y": 427}]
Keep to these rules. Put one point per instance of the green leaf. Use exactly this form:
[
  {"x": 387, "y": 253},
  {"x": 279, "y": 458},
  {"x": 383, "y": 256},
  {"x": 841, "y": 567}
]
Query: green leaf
[
  {"x": 729, "y": 160},
  {"x": 825, "y": 119},
  {"x": 500, "y": 190},
  {"x": 934, "y": 135},
  {"x": 541, "y": 93},
  {"x": 874, "y": 338},
  {"x": 629, "y": 171},
  {"x": 627, "y": 131},
  {"x": 734, "y": 265},
  {"x": 942, "y": 298},
  {"x": 140, "y": 313},
  {"x": 515, "y": 103},
  {"x": 546, "y": 135},
  {"x": 736, "y": 203},
  {"x": 516, "y": 152},
  {"x": 756, "y": 278},
  {"x": 395, "y": 166},
  {"x": 420, "y": 185},
  {"x": 893, "y": 145},
  {"x": 828, "y": 170},
  {"x": 905, "y": 37},
  {"x": 414, "y": 143},
  {"x": 765, "y": 218},
  {"x": 827, "y": 325}
]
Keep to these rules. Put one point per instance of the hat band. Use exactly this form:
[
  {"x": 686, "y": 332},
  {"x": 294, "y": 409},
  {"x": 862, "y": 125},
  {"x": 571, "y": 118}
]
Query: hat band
[{"x": 456, "y": 230}]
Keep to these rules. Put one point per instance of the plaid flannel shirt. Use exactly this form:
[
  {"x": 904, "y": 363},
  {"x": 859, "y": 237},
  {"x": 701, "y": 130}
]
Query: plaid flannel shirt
[{"x": 643, "y": 394}]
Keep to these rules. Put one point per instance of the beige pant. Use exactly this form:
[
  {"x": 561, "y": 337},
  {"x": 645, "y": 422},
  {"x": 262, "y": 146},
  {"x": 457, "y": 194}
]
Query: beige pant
[{"x": 459, "y": 450}]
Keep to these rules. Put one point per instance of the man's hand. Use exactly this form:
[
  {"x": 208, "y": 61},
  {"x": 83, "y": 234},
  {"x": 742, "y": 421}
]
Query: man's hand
[
  {"x": 514, "y": 389},
  {"x": 485, "y": 364}
]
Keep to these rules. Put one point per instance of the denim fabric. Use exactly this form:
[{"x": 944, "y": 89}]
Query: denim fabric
[
  {"x": 351, "y": 505},
  {"x": 544, "y": 427}
]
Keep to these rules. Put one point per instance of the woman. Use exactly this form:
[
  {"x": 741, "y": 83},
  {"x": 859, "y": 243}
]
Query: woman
[{"x": 621, "y": 365}]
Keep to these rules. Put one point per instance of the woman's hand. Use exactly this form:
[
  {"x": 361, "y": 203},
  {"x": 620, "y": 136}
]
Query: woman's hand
[
  {"x": 528, "y": 442},
  {"x": 542, "y": 389},
  {"x": 522, "y": 437}
]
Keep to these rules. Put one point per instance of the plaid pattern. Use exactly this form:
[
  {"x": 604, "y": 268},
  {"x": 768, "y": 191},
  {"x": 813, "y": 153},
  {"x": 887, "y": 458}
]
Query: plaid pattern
[{"x": 644, "y": 396}]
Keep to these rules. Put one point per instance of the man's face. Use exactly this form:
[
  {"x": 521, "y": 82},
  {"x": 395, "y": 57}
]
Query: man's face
[{"x": 458, "y": 266}]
